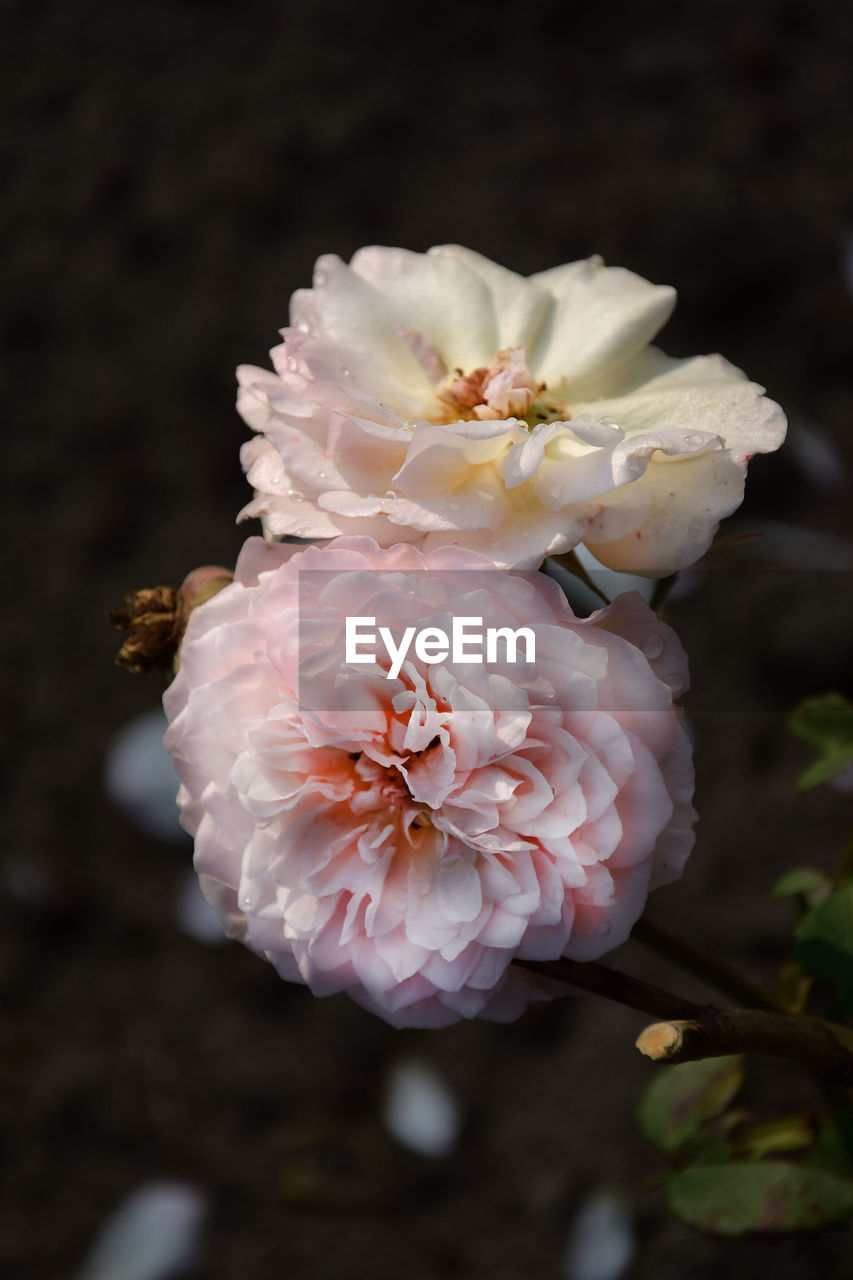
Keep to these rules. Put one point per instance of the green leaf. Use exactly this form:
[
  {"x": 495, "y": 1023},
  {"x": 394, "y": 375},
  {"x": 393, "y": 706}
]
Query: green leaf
[
  {"x": 746, "y": 1199},
  {"x": 826, "y": 722},
  {"x": 822, "y": 770},
  {"x": 800, "y": 880},
  {"x": 683, "y": 1098},
  {"x": 789, "y": 1133},
  {"x": 825, "y": 941}
]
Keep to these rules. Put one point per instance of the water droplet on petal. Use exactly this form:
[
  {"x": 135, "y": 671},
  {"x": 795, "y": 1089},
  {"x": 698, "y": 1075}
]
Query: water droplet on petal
[
  {"x": 248, "y": 899},
  {"x": 652, "y": 646},
  {"x": 400, "y": 904},
  {"x": 303, "y": 326},
  {"x": 603, "y": 928}
]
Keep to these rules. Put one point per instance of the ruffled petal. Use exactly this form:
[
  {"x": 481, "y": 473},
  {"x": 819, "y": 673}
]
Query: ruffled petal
[{"x": 602, "y": 316}]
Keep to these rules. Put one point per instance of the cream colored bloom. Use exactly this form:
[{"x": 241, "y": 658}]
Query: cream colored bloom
[{"x": 441, "y": 399}]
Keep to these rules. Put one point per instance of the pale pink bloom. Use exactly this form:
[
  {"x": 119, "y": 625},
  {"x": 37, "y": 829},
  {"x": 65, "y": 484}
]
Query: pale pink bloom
[
  {"x": 407, "y": 843},
  {"x": 440, "y": 399}
]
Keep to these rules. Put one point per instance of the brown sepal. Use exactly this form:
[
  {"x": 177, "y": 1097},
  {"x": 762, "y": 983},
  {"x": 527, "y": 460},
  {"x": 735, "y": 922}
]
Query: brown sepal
[{"x": 155, "y": 618}]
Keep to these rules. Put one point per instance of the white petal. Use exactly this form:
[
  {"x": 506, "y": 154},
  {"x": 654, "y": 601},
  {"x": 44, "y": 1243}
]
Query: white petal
[
  {"x": 442, "y": 298},
  {"x": 523, "y": 539},
  {"x": 440, "y": 459},
  {"x": 520, "y": 306},
  {"x": 592, "y": 473},
  {"x": 525, "y": 457},
  {"x": 140, "y": 779},
  {"x": 355, "y": 313},
  {"x": 282, "y": 509},
  {"x": 602, "y": 1244},
  {"x": 705, "y": 393},
  {"x": 420, "y": 1111},
  {"x": 603, "y": 315},
  {"x": 195, "y": 915},
  {"x": 154, "y": 1234},
  {"x": 662, "y": 523},
  {"x": 347, "y": 377}
]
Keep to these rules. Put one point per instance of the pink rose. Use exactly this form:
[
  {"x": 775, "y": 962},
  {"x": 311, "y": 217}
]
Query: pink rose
[
  {"x": 440, "y": 399},
  {"x": 403, "y": 839}
]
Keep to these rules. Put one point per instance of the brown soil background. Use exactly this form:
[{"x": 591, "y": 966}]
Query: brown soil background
[{"x": 171, "y": 172}]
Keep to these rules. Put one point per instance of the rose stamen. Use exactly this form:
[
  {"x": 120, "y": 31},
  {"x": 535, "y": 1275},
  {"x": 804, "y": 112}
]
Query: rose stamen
[{"x": 503, "y": 389}]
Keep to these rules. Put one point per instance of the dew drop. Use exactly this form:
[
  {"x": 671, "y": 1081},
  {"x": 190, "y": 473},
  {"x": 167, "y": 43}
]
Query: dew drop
[
  {"x": 303, "y": 326},
  {"x": 652, "y": 646},
  {"x": 389, "y": 493},
  {"x": 400, "y": 904},
  {"x": 604, "y": 927}
]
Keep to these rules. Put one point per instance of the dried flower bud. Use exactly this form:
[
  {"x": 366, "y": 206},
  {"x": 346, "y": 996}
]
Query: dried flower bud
[{"x": 156, "y": 618}]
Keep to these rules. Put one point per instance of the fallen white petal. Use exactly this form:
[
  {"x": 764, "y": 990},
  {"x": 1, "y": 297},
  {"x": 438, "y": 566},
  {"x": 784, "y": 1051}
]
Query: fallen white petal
[
  {"x": 154, "y": 1234},
  {"x": 195, "y": 915},
  {"x": 419, "y": 1110},
  {"x": 602, "y": 1243},
  {"x": 139, "y": 778}
]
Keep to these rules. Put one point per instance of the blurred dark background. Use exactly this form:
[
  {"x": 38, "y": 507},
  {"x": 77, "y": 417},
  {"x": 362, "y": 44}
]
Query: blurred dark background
[{"x": 171, "y": 172}]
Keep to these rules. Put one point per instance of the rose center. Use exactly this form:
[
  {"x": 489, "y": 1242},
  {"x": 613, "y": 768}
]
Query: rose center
[
  {"x": 383, "y": 788},
  {"x": 503, "y": 389}
]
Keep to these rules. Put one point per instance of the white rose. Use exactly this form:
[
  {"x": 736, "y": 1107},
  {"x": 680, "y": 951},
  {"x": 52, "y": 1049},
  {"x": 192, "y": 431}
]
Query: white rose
[{"x": 441, "y": 399}]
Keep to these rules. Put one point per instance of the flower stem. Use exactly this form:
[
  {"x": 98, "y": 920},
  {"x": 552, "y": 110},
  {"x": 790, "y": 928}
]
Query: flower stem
[
  {"x": 823, "y": 1047},
  {"x": 613, "y": 985},
  {"x": 691, "y": 1031},
  {"x": 719, "y": 976}
]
